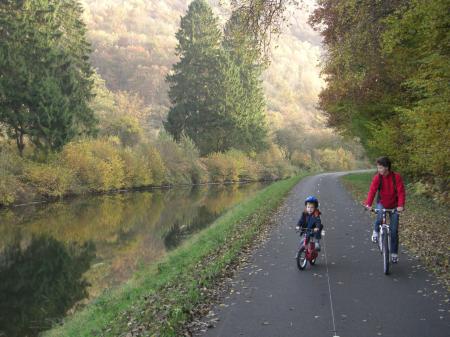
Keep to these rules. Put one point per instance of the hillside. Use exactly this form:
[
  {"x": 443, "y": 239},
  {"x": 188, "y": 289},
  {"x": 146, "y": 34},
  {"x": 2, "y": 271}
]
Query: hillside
[{"x": 134, "y": 48}]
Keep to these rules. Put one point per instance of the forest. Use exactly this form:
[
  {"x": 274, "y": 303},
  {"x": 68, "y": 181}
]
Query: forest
[
  {"x": 104, "y": 95},
  {"x": 93, "y": 95}
]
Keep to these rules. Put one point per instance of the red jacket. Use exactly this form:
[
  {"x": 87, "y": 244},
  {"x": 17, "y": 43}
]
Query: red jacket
[{"x": 387, "y": 193}]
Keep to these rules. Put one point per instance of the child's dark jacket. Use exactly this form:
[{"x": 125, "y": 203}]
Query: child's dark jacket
[{"x": 310, "y": 221}]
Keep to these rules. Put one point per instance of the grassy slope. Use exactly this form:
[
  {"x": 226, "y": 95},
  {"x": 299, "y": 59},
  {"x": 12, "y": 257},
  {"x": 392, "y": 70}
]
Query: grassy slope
[
  {"x": 161, "y": 298},
  {"x": 424, "y": 227}
]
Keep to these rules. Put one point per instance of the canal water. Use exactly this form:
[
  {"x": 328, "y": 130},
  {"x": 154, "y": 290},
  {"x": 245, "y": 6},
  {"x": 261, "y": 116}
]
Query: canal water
[{"x": 56, "y": 257}]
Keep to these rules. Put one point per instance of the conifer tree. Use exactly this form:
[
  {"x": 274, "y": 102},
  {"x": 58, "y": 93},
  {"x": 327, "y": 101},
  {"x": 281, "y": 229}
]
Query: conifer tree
[
  {"x": 245, "y": 53},
  {"x": 45, "y": 73},
  {"x": 210, "y": 94}
]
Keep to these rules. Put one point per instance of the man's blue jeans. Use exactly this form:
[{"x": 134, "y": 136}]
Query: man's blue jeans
[{"x": 393, "y": 228}]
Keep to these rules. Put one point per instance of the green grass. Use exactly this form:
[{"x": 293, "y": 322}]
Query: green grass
[
  {"x": 162, "y": 297},
  {"x": 423, "y": 229}
]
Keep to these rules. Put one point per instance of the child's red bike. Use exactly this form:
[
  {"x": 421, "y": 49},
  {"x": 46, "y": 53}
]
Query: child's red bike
[{"x": 307, "y": 251}]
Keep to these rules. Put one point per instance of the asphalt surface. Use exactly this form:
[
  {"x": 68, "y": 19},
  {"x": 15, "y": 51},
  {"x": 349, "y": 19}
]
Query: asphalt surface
[{"x": 345, "y": 294}]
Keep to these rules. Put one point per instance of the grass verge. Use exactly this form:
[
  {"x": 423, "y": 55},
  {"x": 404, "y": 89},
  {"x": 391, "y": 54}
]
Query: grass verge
[
  {"x": 424, "y": 228},
  {"x": 162, "y": 298}
]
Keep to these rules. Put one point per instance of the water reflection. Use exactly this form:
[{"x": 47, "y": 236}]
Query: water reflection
[
  {"x": 48, "y": 249},
  {"x": 40, "y": 281}
]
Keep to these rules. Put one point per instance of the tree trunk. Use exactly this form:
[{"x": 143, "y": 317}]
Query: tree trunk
[{"x": 20, "y": 141}]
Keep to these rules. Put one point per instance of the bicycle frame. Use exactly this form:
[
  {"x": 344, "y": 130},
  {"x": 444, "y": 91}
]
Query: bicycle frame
[
  {"x": 307, "y": 250},
  {"x": 384, "y": 242},
  {"x": 310, "y": 246}
]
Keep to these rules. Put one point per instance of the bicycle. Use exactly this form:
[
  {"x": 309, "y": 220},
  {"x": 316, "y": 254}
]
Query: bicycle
[
  {"x": 384, "y": 237},
  {"x": 307, "y": 251}
]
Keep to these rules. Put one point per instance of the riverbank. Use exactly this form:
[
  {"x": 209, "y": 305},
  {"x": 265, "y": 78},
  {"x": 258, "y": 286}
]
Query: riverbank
[
  {"x": 424, "y": 226},
  {"x": 97, "y": 166},
  {"x": 161, "y": 298}
]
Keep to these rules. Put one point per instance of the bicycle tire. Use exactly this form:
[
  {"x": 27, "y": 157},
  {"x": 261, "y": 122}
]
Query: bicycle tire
[
  {"x": 301, "y": 258},
  {"x": 384, "y": 237}
]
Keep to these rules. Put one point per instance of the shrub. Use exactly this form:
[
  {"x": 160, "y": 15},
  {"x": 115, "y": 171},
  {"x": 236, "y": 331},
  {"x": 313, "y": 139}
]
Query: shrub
[
  {"x": 50, "y": 179},
  {"x": 302, "y": 160},
  {"x": 176, "y": 163},
  {"x": 8, "y": 187},
  {"x": 97, "y": 163},
  {"x": 155, "y": 163},
  {"x": 136, "y": 168},
  {"x": 275, "y": 166},
  {"x": 219, "y": 167},
  {"x": 336, "y": 160},
  {"x": 233, "y": 165},
  {"x": 127, "y": 128},
  {"x": 198, "y": 171}
]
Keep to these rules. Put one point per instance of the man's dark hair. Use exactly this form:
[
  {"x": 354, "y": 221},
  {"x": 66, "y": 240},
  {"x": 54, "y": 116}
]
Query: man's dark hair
[{"x": 384, "y": 161}]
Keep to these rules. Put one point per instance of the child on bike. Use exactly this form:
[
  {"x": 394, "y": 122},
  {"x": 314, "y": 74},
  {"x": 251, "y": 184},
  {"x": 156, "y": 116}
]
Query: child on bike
[{"x": 310, "y": 219}]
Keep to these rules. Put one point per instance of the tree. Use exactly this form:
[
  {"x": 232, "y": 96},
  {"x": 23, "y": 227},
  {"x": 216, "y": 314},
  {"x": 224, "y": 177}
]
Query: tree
[
  {"x": 216, "y": 94},
  {"x": 417, "y": 44},
  {"x": 260, "y": 19},
  {"x": 45, "y": 73},
  {"x": 245, "y": 54},
  {"x": 204, "y": 83},
  {"x": 360, "y": 90}
]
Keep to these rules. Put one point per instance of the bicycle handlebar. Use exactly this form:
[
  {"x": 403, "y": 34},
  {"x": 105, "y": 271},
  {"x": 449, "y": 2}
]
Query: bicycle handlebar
[{"x": 376, "y": 210}]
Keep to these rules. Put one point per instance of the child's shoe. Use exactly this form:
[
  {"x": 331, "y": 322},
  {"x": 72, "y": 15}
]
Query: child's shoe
[
  {"x": 317, "y": 245},
  {"x": 394, "y": 258},
  {"x": 375, "y": 237}
]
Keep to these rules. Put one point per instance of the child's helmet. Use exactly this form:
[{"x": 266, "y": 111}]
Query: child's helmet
[{"x": 313, "y": 200}]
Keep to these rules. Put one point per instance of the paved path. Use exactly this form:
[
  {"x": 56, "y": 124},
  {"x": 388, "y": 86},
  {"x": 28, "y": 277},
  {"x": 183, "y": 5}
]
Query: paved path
[{"x": 345, "y": 294}]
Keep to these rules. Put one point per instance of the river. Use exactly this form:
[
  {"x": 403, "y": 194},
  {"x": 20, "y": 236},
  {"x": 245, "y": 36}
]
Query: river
[{"x": 56, "y": 257}]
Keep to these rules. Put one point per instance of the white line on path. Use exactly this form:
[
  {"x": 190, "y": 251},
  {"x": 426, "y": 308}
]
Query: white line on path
[{"x": 329, "y": 290}]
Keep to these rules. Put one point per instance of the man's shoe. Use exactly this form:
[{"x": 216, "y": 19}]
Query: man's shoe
[
  {"x": 375, "y": 237},
  {"x": 394, "y": 258}
]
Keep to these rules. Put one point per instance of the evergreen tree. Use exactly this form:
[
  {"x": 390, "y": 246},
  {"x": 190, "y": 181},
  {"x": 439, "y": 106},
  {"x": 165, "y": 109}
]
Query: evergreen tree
[
  {"x": 195, "y": 77},
  {"x": 215, "y": 101},
  {"x": 245, "y": 53},
  {"x": 45, "y": 73}
]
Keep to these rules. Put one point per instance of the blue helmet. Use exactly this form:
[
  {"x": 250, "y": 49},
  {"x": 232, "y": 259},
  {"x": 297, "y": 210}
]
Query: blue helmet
[{"x": 313, "y": 200}]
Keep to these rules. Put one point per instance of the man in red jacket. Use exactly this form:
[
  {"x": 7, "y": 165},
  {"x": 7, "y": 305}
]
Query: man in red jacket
[{"x": 391, "y": 194}]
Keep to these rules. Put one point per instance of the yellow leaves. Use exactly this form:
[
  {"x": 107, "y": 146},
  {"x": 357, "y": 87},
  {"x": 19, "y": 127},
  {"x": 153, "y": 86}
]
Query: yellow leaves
[
  {"x": 49, "y": 179},
  {"x": 97, "y": 163}
]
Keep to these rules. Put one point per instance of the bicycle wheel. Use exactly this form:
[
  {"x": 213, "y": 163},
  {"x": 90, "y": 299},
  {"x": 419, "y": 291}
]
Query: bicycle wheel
[
  {"x": 384, "y": 237},
  {"x": 301, "y": 258}
]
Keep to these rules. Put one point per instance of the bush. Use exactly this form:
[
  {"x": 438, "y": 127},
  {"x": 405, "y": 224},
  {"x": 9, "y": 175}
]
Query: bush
[
  {"x": 52, "y": 179},
  {"x": 11, "y": 167},
  {"x": 126, "y": 128},
  {"x": 232, "y": 166},
  {"x": 198, "y": 171},
  {"x": 136, "y": 168},
  {"x": 335, "y": 160},
  {"x": 177, "y": 164},
  {"x": 302, "y": 160},
  {"x": 8, "y": 187},
  {"x": 219, "y": 167},
  {"x": 155, "y": 163},
  {"x": 275, "y": 166},
  {"x": 10, "y": 161},
  {"x": 97, "y": 163}
]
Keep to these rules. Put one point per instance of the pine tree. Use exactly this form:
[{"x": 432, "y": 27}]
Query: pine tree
[
  {"x": 45, "y": 73},
  {"x": 214, "y": 99},
  {"x": 244, "y": 52}
]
